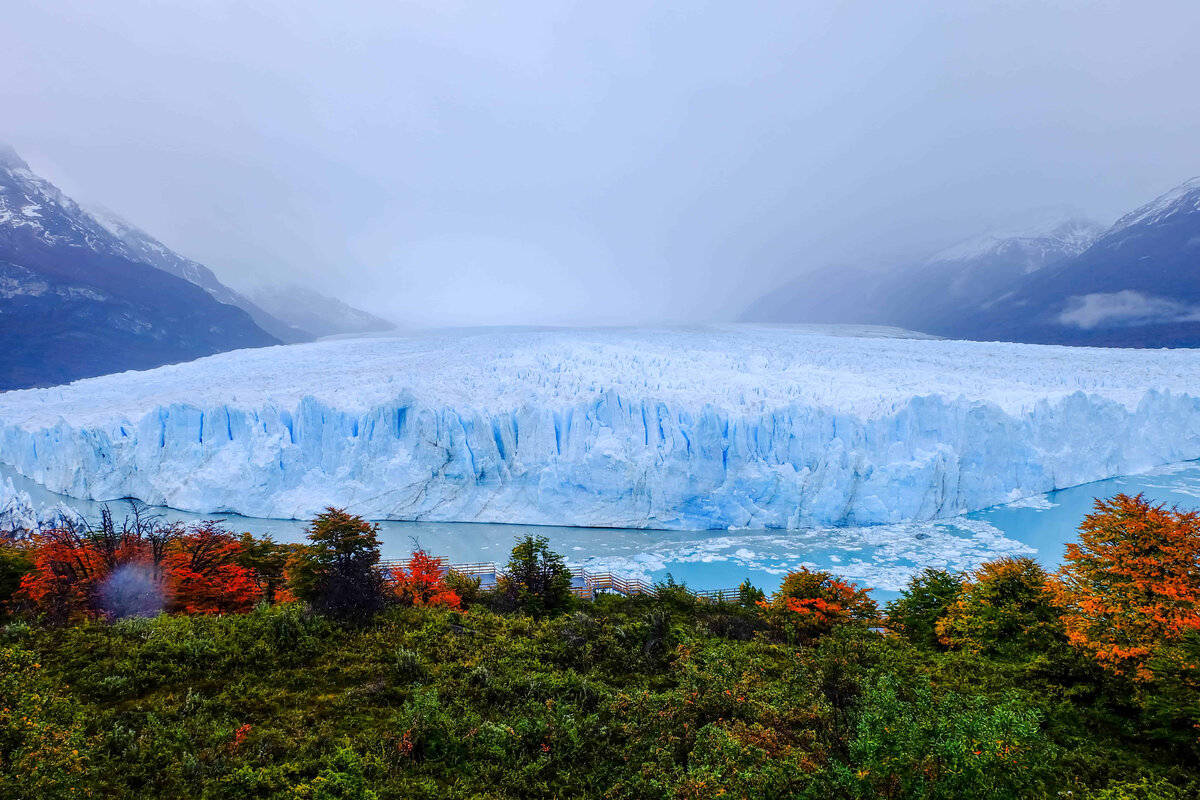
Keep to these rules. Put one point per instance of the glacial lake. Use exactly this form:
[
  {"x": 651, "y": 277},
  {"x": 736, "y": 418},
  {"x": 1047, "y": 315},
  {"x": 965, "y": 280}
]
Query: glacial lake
[{"x": 881, "y": 556}]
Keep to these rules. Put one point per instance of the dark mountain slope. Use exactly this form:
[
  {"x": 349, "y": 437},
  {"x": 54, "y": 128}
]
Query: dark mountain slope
[
  {"x": 147, "y": 249},
  {"x": 1138, "y": 285},
  {"x": 76, "y": 302},
  {"x": 930, "y": 294}
]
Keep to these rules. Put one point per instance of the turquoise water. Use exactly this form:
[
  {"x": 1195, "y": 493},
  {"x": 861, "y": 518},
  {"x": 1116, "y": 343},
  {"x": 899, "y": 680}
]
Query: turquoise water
[{"x": 882, "y": 556}]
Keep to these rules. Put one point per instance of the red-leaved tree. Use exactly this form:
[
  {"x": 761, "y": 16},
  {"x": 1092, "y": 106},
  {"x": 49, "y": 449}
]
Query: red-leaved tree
[
  {"x": 140, "y": 567},
  {"x": 423, "y": 583},
  {"x": 204, "y": 574}
]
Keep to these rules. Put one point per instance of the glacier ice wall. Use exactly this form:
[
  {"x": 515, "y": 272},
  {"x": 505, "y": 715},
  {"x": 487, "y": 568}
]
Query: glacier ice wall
[{"x": 703, "y": 428}]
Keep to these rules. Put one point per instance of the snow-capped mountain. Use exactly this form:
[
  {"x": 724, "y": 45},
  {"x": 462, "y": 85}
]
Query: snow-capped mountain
[
  {"x": 997, "y": 257},
  {"x": 33, "y": 210},
  {"x": 77, "y": 300},
  {"x": 318, "y": 314},
  {"x": 976, "y": 271},
  {"x": 926, "y": 294},
  {"x": 1184, "y": 199},
  {"x": 1137, "y": 285}
]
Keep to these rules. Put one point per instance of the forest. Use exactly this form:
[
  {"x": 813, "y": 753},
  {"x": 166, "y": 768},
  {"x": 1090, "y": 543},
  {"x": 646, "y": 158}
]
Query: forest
[{"x": 141, "y": 659}]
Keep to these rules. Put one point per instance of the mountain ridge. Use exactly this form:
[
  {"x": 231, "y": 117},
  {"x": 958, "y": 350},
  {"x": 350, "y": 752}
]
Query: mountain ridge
[
  {"x": 75, "y": 301},
  {"x": 1135, "y": 283}
]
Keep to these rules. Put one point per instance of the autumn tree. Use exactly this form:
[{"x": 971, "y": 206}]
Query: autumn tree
[
  {"x": 810, "y": 603},
  {"x": 72, "y": 567},
  {"x": 140, "y": 567},
  {"x": 1131, "y": 585},
  {"x": 204, "y": 574},
  {"x": 1006, "y": 609},
  {"x": 338, "y": 572},
  {"x": 423, "y": 583}
]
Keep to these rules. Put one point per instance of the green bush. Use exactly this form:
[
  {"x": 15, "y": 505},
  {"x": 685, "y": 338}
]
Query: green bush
[
  {"x": 922, "y": 604},
  {"x": 1145, "y": 789},
  {"x": 536, "y": 579}
]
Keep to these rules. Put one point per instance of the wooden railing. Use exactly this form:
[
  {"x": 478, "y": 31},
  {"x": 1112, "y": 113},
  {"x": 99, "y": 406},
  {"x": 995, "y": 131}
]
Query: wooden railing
[{"x": 389, "y": 564}]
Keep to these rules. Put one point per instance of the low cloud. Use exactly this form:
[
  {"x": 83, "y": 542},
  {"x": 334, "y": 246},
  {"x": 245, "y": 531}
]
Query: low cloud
[{"x": 1114, "y": 309}]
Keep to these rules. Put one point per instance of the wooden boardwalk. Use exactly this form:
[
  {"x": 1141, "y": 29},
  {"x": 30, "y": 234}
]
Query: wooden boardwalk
[{"x": 584, "y": 584}]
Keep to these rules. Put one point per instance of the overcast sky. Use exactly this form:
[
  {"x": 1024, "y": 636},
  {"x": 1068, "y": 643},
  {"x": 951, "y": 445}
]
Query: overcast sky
[{"x": 447, "y": 163}]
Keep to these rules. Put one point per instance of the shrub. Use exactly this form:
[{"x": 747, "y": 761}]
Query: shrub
[
  {"x": 423, "y": 583},
  {"x": 15, "y": 564},
  {"x": 1144, "y": 789},
  {"x": 672, "y": 594},
  {"x": 408, "y": 665},
  {"x": 465, "y": 586},
  {"x": 750, "y": 595},
  {"x": 910, "y": 742},
  {"x": 810, "y": 603},
  {"x": 43, "y": 739},
  {"x": 344, "y": 780}
]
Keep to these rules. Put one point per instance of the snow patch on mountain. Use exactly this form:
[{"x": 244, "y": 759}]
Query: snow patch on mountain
[
  {"x": 1184, "y": 198},
  {"x": 1036, "y": 247}
]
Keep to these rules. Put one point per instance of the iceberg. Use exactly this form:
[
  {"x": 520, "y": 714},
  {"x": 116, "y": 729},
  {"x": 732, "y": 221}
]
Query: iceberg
[
  {"x": 20, "y": 516},
  {"x": 734, "y": 426}
]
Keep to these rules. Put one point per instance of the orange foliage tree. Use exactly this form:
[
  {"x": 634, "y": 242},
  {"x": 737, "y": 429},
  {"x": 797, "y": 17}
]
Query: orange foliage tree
[
  {"x": 66, "y": 574},
  {"x": 141, "y": 566},
  {"x": 1007, "y": 609},
  {"x": 813, "y": 602},
  {"x": 204, "y": 574},
  {"x": 71, "y": 566},
  {"x": 1131, "y": 585},
  {"x": 423, "y": 583}
]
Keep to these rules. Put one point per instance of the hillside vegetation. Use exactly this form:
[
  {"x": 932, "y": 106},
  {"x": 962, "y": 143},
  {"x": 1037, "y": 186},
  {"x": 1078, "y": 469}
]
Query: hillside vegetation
[{"x": 145, "y": 661}]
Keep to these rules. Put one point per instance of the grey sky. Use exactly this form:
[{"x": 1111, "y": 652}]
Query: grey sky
[{"x": 449, "y": 163}]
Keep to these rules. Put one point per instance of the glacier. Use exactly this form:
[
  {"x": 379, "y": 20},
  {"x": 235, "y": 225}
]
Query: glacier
[{"x": 733, "y": 426}]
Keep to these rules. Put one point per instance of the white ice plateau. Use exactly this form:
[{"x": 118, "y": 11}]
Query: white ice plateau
[{"x": 700, "y": 428}]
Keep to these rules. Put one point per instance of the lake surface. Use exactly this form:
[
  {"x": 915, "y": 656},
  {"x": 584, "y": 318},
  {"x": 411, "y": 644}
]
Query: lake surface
[{"x": 882, "y": 556}]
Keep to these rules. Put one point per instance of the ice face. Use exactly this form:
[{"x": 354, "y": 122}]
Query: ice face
[{"x": 714, "y": 427}]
